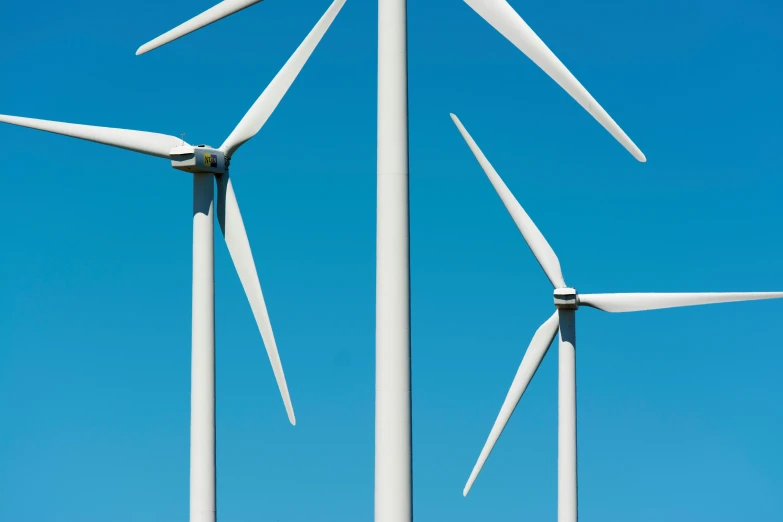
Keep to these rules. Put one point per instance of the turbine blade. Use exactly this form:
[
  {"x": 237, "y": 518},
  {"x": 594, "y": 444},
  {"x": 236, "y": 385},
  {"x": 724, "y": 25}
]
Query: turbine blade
[
  {"x": 544, "y": 254},
  {"x": 239, "y": 248},
  {"x": 211, "y": 15},
  {"x": 530, "y": 362},
  {"x": 264, "y": 106},
  {"x": 655, "y": 301},
  {"x": 500, "y": 15},
  {"x": 138, "y": 141}
]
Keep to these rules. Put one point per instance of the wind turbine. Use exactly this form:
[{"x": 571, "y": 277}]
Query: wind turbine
[
  {"x": 567, "y": 301},
  {"x": 208, "y": 164}
]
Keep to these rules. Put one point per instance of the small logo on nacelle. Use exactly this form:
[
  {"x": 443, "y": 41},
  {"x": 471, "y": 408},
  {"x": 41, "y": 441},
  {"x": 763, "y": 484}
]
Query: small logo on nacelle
[{"x": 210, "y": 160}]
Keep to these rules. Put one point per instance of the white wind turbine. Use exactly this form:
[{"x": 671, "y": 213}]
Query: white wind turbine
[
  {"x": 567, "y": 301},
  {"x": 207, "y": 165}
]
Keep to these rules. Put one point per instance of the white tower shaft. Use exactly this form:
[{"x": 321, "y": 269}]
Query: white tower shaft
[
  {"x": 202, "y": 392},
  {"x": 566, "y": 421},
  {"x": 393, "y": 479}
]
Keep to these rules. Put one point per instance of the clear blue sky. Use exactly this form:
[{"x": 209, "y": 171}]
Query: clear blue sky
[{"x": 679, "y": 411}]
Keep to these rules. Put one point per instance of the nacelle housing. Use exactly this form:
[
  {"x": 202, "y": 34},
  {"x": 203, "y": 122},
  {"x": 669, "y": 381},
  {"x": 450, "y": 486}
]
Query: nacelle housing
[
  {"x": 566, "y": 299},
  {"x": 200, "y": 159}
]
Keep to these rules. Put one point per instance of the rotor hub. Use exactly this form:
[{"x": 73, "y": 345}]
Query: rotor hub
[{"x": 566, "y": 299}]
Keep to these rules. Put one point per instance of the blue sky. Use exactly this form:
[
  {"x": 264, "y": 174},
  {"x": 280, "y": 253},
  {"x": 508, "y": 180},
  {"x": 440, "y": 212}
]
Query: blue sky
[{"x": 679, "y": 410}]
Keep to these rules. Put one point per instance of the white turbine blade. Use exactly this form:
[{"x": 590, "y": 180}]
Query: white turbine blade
[
  {"x": 264, "y": 106},
  {"x": 500, "y": 15},
  {"x": 535, "y": 240},
  {"x": 239, "y": 248},
  {"x": 530, "y": 362},
  {"x": 138, "y": 141},
  {"x": 211, "y": 15},
  {"x": 654, "y": 301}
]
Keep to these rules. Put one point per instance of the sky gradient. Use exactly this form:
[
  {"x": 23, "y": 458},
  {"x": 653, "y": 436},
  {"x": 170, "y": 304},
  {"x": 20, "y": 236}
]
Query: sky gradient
[{"x": 679, "y": 413}]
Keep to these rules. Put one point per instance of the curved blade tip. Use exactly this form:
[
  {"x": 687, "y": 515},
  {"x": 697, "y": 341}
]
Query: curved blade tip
[
  {"x": 289, "y": 406},
  {"x": 639, "y": 155}
]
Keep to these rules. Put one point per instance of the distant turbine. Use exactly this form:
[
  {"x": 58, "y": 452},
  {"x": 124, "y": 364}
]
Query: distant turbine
[
  {"x": 206, "y": 164},
  {"x": 567, "y": 301}
]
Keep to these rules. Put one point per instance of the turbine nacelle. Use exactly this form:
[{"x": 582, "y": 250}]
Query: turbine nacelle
[
  {"x": 200, "y": 159},
  {"x": 566, "y": 299}
]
